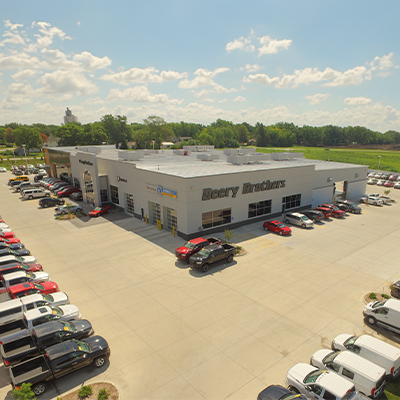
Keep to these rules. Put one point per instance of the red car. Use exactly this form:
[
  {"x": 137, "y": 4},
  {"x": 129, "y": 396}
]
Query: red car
[
  {"x": 15, "y": 267},
  {"x": 277, "y": 227},
  {"x": 24, "y": 289},
  {"x": 99, "y": 211},
  {"x": 7, "y": 235},
  {"x": 326, "y": 211},
  {"x": 67, "y": 192},
  {"x": 388, "y": 184},
  {"x": 10, "y": 240},
  {"x": 336, "y": 211}
]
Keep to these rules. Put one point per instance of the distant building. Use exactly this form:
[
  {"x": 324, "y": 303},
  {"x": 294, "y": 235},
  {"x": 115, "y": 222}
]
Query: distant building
[
  {"x": 69, "y": 117},
  {"x": 51, "y": 141}
]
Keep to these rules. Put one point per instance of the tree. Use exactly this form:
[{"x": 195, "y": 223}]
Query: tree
[
  {"x": 9, "y": 135},
  {"x": 27, "y": 136},
  {"x": 242, "y": 133},
  {"x": 205, "y": 138},
  {"x": 116, "y": 128},
  {"x": 71, "y": 135},
  {"x": 43, "y": 137},
  {"x": 158, "y": 129},
  {"x": 262, "y": 140}
]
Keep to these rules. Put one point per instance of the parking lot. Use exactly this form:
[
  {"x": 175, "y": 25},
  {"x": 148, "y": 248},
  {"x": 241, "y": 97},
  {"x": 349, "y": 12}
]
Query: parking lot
[{"x": 175, "y": 333}]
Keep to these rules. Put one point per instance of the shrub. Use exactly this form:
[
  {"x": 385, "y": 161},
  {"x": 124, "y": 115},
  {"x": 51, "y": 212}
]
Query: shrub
[
  {"x": 103, "y": 394},
  {"x": 229, "y": 235},
  {"x": 238, "y": 248},
  {"x": 23, "y": 393},
  {"x": 386, "y": 296},
  {"x": 85, "y": 391},
  {"x": 372, "y": 296}
]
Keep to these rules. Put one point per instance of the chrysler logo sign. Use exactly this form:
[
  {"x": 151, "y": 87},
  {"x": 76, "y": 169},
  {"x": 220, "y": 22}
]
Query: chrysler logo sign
[{"x": 232, "y": 191}]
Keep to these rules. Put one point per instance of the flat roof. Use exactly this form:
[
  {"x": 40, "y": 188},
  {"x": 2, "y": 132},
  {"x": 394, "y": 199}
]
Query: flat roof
[{"x": 189, "y": 166}]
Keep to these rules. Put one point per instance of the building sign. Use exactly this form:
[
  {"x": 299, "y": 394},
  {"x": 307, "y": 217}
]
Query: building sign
[
  {"x": 84, "y": 162},
  {"x": 119, "y": 179},
  {"x": 232, "y": 191},
  {"x": 160, "y": 190}
]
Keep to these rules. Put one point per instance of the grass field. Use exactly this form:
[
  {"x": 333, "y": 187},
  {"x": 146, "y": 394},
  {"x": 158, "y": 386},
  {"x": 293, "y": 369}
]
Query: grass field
[{"x": 389, "y": 161}]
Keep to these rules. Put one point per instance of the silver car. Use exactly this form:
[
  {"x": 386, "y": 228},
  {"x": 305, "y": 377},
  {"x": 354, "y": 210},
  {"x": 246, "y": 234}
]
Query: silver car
[
  {"x": 299, "y": 220},
  {"x": 66, "y": 209}
]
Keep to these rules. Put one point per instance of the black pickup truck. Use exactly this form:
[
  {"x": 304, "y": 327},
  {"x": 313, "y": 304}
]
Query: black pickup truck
[
  {"x": 59, "y": 360},
  {"x": 48, "y": 334},
  {"x": 211, "y": 254}
]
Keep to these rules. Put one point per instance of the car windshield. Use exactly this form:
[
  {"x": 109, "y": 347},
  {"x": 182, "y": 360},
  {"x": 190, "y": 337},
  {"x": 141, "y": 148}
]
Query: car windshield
[
  {"x": 68, "y": 326},
  {"x": 25, "y": 267},
  {"x": 98, "y": 208},
  {"x": 204, "y": 253},
  {"x": 330, "y": 358},
  {"x": 313, "y": 376},
  {"x": 38, "y": 286},
  {"x": 335, "y": 208},
  {"x": 189, "y": 245},
  {"x": 282, "y": 225},
  {"x": 351, "y": 340},
  {"x": 83, "y": 346},
  {"x": 379, "y": 304},
  {"x": 49, "y": 298},
  {"x": 304, "y": 218},
  {"x": 30, "y": 275},
  {"x": 57, "y": 311},
  {"x": 19, "y": 259}
]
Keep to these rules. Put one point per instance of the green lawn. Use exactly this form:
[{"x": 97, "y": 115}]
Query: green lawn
[
  {"x": 392, "y": 391},
  {"x": 390, "y": 159}
]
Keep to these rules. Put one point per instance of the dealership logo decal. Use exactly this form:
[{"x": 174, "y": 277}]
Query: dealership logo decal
[
  {"x": 232, "y": 191},
  {"x": 84, "y": 162}
]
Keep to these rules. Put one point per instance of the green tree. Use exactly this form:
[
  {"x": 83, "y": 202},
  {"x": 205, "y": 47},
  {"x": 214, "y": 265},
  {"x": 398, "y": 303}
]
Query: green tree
[
  {"x": 71, "y": 135},
  {"x": 158, "y": 129},
  {"x": 205, "y": 138},
  {"x": 262, "y": 139},
  {"x": 24, "y": 392},
  {"x": 9, "y": 135},
  {"x": 116, "y": 128},
  {"x": 242, "y": 133},
  {"x": 27, "y": 136}
]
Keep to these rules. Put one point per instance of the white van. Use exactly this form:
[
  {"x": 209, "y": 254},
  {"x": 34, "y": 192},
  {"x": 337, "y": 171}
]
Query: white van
[
  {"x": 385, "y": 313},
  {"x": 372, "y": 349},
  {"x": 34, "y": 193},
  {"x": 367, "y": 377}
]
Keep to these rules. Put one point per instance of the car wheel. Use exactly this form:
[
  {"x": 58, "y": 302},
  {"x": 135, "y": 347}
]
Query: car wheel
[
  {"x": 45, "y": 205},
  {"x": 293, "y": 390},
  {"x": 79, "y": 210},
  {"x": 303, "y": 226},
  {"x": 30, "y": 197},
  {"x": 280, "y": 232},
  {"x": 336, "y": 215},
  {"x": 230, "y": 258},
  {"x": 375, "y": 204},
  {"x": 47, "y": 194},
  {"x": 371, "y": 320},
  {"x": 108, "y": 211},
  {"x": 39, "y": 389},
  {"x": 63, "y": 212},
  {"x": 99, "y": 361},
  {"x": 205, "y": 268},
  {"x": 287, "y": 221}
]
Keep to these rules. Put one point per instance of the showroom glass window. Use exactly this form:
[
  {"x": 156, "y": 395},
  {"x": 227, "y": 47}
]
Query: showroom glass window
[
  {"x": 103, "y": 196},
  {"x": 291, "y": 201},
  {"x": 114, "y": 194},
  {"x": 260, "y": 208},
  {"x": 216, "y": 218},
  {"x": 89, "y": 192}
]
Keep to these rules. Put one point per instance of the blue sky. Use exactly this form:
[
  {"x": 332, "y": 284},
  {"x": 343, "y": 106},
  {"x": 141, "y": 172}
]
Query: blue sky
[{"x": 306, "y": 62}]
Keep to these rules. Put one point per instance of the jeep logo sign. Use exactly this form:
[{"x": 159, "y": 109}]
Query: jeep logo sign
[{"x": 210, "y": 193}]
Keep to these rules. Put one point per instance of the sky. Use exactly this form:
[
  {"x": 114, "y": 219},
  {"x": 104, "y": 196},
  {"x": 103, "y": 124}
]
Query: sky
[{"x": 310, "y": 62}]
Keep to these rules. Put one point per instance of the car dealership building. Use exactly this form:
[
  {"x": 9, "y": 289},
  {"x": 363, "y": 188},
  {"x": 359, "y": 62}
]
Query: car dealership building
[{"x": 200, "y": 190}]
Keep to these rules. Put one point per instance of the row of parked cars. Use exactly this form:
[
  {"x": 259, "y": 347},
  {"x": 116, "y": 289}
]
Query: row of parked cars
[
  {"x": 28, "y": 169},
  {"x": 383, "y": 179},
  {"x": 42, "y": 336},
  {"x": 307, "y": 218}
]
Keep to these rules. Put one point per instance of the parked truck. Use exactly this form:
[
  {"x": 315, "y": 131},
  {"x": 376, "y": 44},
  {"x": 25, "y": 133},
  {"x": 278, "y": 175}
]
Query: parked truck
[
  {"x": 59, "y": 360},
  {"x": 193, "y": 246},
  {"x": 212, "y": 254},
  {"x": 43, "y": 336}
]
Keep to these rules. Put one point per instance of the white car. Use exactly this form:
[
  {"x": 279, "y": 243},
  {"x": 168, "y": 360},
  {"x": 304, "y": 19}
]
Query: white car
[
  {"x": 376, "y": 201},
  {"x": 371, "y": 175},
  {"x": 381, "y": 182},
  {"x": 386, "y": 199},
  {"x": 2, "y": 169},
  {"x": 36, "y": 277},
  {"x": 11, "y": 259},
  {"x": 319, "y": 385},
  {"x": 65, "y": 210},
  {"x": 397, "y": 185},
  {"x": 299, "y": 220},
  {"x": 4, "y": 230},
  {"x": 378, "y": 175},
  {"x": 372, "y": 181},
  {"x": 4, "y": 226}
]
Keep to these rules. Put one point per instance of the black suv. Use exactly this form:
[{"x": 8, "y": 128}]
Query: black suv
[
  {"x": 50, "y": 202},
  {"x": 314, "y": 215},
  {"x": 347, "y": 205}
]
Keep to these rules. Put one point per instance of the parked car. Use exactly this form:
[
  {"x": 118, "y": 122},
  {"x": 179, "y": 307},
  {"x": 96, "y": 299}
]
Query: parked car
[
  {"x": 22, "y": 178},
  {"x": 212, "y": 254},
  {"x": 278, "y": 392},
  {"x": 326, "y": 211},
  {"x": 371, "y": 175},
  {"x": 277, "y": 227},
  {"x": 25, "y": 185},
  {"x": 99, "y": 211},
  {"x": 336, "y": 211},
  {"x": 25, "y": 289},
  {"x": 397, "y": 185},
  {"x": 77, "y": 196},
  {"x": 15, "y": 246},
  {"x": 352, "y": 207},
  {"x": 314, "y": 215},
  {"x": 66, "y": 209},
  {"x": 384, "y": 313},
  {"x": 372, "y": 349},
  {"x": 59, "y": 360},
  {"x": 367, "y": 377},
  {"x": 372, "y": 181},
  {"x": 15, "y": 267},
  {"x": 39, "y": 177},
  {"x": 67, "y": 192},
  {"x": 11, "y": 252},
  {"x": 2, "y": 169},
  {"x": 299, "y": 220},
  {"x": 319, "y": 385},
  {"x": 381, "y": 182},
  {"x": 193, "y": 246},
  {"x": 9, "y": 240},
  {"x": 378, "y": 175},
  {"x": 388, "y": 184},
  {"x": 376, "y": 201},
  {"x": 11, "y": 259},
  {"x": 50, "y": 202},
  {"x": 35, "y": 193}
]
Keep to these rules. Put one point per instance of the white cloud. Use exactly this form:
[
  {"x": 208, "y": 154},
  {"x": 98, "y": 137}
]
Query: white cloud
[
  {"x": 240, "y": 99},
  {"x": 11, "y": 26},
  {"x": 250, "y": 68},
  {"x": 242, "y": 43},
  {"x": 79, "y": 23},
  {"x": 382, "y": 64},
  {"x": 12, "y": 38},
  {"x": 18, "y": 60},
  {"x": 204, "y": 78},
  {"x": 140, "y": 94},
  {"x": 24, "y": 74},
  {"x": 48, "y": 33},
  {"x": 271, "y": 46},
  {"x": 142, "y": 75},
  {"x": 17, "y": 95},
  {"x": 317, "y": 98},
  {"x": 356, "y": 101},
  {"x": 354, "y": 76},
  {"x": 66, "y": 82},
  {"x": 89, "y": 62}
]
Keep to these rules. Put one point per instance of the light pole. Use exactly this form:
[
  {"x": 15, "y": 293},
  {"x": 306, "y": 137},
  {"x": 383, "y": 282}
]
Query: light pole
[
  {"x": 26, "y": 159},
  {"x": 153, "y": 141},
  {"x": 379, "y": 163}
]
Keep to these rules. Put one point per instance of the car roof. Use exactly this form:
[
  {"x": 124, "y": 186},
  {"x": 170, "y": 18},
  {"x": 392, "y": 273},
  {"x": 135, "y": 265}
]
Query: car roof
[
  {"x": 38, "y": 312},
  {"x": 365, "y": 367},
  {"x": 61, "y": 349},
  {"x": 296, "y": 214},
  {"x": 14, "y": 275},
  {"x": 21, "y": 287},
  {"x": 197, "y": 240},
  {"x": 49, "y": 328},
  {"x": 32, "y": 298}
]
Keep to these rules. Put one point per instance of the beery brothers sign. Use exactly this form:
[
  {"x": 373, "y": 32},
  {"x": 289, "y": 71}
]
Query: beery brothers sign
[{"x": 247, "y": 188}]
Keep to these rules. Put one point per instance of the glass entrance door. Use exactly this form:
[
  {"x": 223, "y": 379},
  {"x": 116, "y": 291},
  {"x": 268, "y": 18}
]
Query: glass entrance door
[
  {"x": 172, "y": 219},
  {"x": 155, "y": 212}
]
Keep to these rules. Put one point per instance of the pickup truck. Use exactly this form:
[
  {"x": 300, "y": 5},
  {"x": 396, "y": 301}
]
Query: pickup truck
[
  {"x": 35, "y": 317},
  {"x": 45, "y": 335},
  {"x": 59, "y": 360},
  {"x": 211, "y": 254},
  {"x": 193, "y": 246},
  {"x": 27, "y": 288},
  {"x": 18, "y": 277}
]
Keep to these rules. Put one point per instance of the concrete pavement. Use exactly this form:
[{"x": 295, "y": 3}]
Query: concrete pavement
[{"x": 179, "y": 334}]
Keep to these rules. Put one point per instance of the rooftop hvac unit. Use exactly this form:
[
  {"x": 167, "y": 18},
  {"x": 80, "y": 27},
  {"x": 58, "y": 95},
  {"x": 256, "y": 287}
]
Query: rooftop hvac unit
[
  {"x": 207, "y": 157},
  {"x": 131, "y": 155},
  {"x": 93, "y": 149}
]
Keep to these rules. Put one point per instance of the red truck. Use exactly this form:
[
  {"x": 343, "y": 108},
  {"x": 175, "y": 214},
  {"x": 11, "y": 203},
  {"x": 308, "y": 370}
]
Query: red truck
[
  {"x": 325, "y": 210},
  {"x": 336, "y": 211},
  {"x": 193, "y": 246}
]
